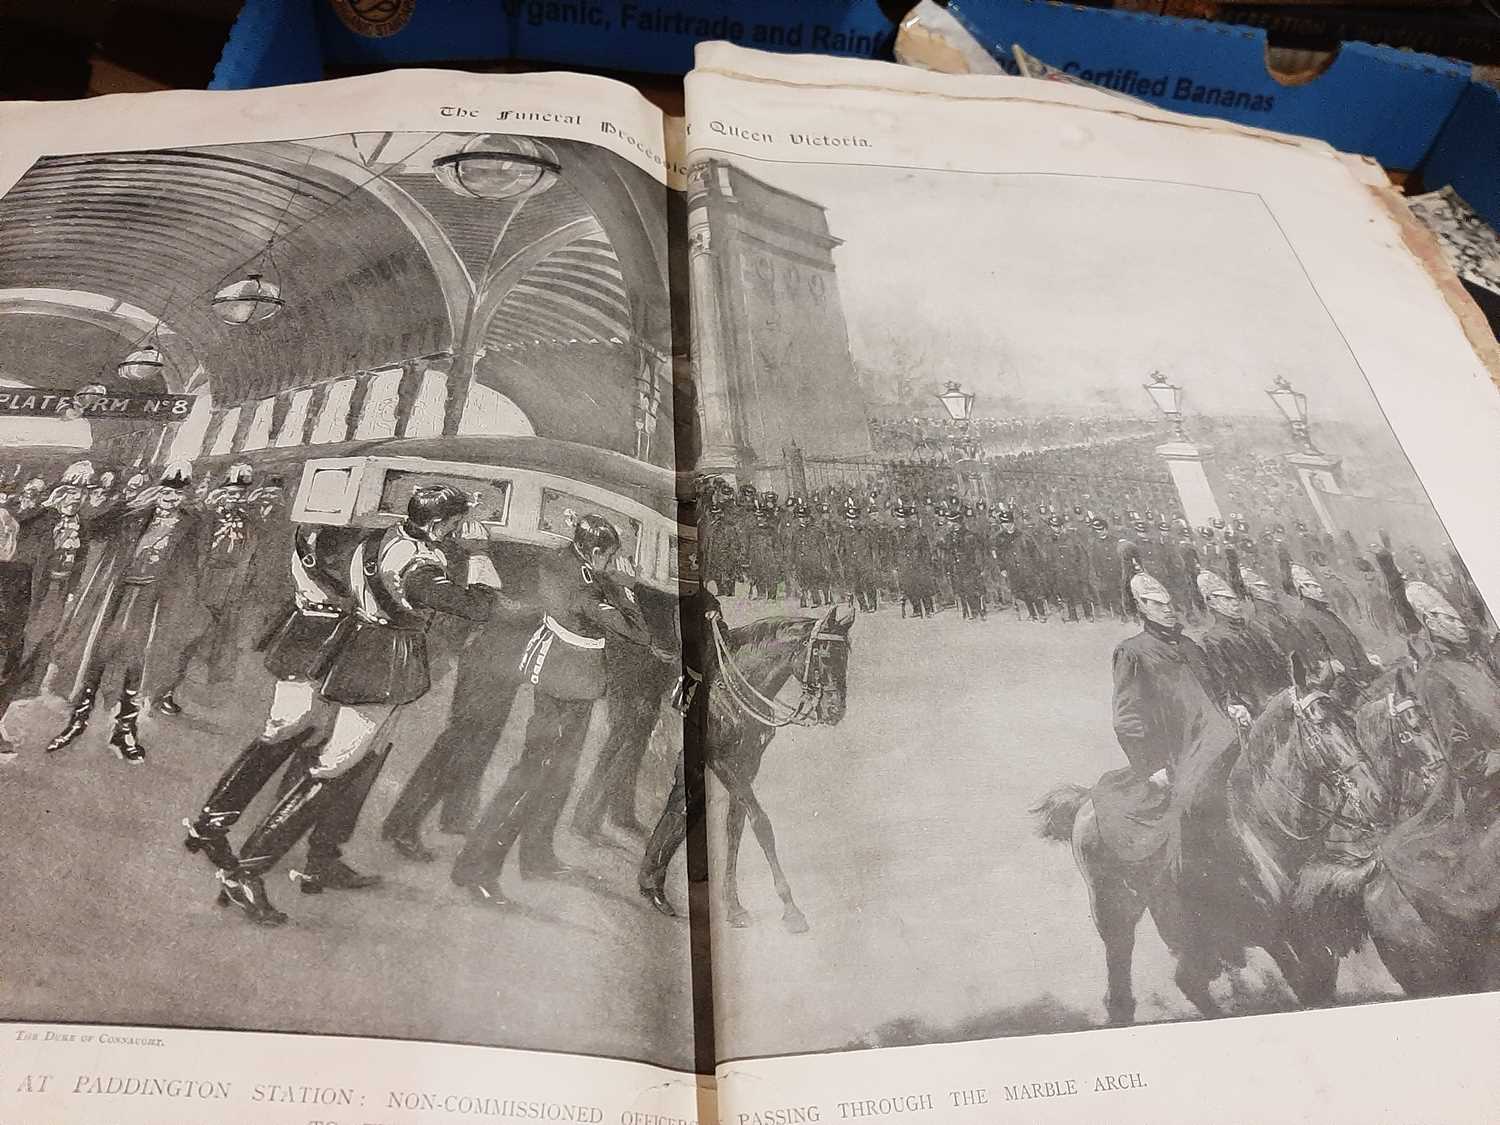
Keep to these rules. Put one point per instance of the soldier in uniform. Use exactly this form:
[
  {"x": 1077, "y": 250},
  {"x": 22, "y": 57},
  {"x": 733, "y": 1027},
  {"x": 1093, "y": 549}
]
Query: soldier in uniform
[
  {"x": 296, "y": 654},
  {"x": 918, "y": 576},
  {"x": 1270, "y": 616},
  {"x": 153, "y": 542},
  {"x": 1318, "y": 619},
  {"x": 582, "y": 605},
  {"x": 809, "y": 558},
  {"x": 53, "y": 542},
  {"x": 399, "y": 581},
  {"x": 1163, "y": 814},
  {"x": 15, "y": 602},
  {"x": 685, "y": 803},
  {"x": 763, "y": 546},
  {"x": 859, "y": 557},
  {"x": 225, "y": 556},
  {"x": 1101, "y": 553},
  {"x": 1246, "y": 662}
]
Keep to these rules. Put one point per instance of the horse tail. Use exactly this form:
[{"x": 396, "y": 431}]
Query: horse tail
[
  {"x": 1328, "y": 902},
  {"x": 1057, "y": 810}
]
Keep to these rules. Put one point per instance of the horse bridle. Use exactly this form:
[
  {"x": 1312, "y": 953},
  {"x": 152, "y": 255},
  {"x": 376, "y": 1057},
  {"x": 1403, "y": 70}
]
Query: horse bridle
[
  {"x": 1337, "y": 780},
  {"x": 764, "y": 709}
]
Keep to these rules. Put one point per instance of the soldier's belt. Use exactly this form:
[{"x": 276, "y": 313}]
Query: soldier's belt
[{"x": 567, "y": 636}]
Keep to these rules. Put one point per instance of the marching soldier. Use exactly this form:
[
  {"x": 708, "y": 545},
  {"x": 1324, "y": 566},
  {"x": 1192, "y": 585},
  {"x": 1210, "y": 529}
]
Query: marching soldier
[
  {"x": 225, "y": 556},
  {"x": 918, "y": 575},
  {"x": 581, "y": 605},
  {"x": 809, "y": 558},
  {"x": 152, "y": 544},
  {"x": 296, "y": 655},
  {"x": 860, "y": 557},
  {"x": 399, "y": 581}
]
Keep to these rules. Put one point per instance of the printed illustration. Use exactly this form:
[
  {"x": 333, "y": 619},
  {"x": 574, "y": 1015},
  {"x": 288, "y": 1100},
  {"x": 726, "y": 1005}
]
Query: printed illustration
[
  {"x": 339, "y": 507},
  {"x": 1137, "y": 567}
]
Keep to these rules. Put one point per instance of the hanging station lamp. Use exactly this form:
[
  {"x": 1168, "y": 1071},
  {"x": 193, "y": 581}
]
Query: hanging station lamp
[
  {"x": 254, "y": 297},
  {"x": 144, "y": 364},
  {"x": 497, "y": 166}
]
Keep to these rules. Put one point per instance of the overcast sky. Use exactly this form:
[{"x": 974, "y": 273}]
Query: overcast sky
[{"x": 1072, "y": 290}]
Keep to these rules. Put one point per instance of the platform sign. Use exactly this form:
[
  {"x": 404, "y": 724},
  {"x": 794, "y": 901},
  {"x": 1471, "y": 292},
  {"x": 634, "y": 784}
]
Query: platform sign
[{"x": 44, "y": 402}]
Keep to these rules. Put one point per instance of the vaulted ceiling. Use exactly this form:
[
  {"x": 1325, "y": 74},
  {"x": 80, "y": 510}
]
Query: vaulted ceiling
[{"x": 377, "y": 262}]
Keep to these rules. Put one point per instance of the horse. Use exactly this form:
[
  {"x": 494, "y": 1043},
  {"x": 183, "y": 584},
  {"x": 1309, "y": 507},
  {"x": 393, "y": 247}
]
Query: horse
[
  {"x": 1421, "y": 886},
  {"x": 753, "y": 663},
  {"x": 1298, "y": 773}
]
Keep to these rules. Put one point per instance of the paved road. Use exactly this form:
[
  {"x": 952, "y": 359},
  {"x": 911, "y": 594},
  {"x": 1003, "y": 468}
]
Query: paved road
[{"x": 936, "y": 912}]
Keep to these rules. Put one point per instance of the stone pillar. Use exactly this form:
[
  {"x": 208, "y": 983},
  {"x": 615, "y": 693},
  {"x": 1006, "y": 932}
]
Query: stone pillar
[
  {"x": 413, "y": 372},
  {"x": 1185, "y": 463},
  {"x": 722, "y": 446},
  {"x": 1319, "y": 475}
]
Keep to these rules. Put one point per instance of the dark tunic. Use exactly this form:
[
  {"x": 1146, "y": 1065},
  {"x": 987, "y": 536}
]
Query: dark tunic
[
  {"x": 146, "y": 558},
  {"x": 1344, "y": 646},
  {"x": 380, "y": 651},
  {"x": 578, "y": 604},
  {"x": 1287, "y": 634},
  {"x": 918, "y": 575},
  {"x": 1166, "y": 717},
  {"x": 301, "y": 647},
  {"x": 1245, "y": 662}
]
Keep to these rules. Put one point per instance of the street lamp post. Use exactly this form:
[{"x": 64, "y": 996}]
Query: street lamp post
[
  {"x": 1317, "y": 471},
  {"x": 959, "y": 404},
  {"x": 1184, "y": 458}
]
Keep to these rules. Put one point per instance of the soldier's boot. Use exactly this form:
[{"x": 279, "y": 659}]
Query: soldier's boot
[
  {"x": 78, "y": 718},
  {"x": 247, "y": 775},
  {"x": 296, "y": 811},
  {"x": 168, "y": 704},
  {"x": 249, "y": 894},
  {"x": 123, "y": 740}
]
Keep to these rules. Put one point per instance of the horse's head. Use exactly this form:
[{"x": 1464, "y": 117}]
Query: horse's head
[
  {"x": 1398, "y": 734},
  {"x": 1329, "y": 749},
  {"x": 825, "y": 672}
]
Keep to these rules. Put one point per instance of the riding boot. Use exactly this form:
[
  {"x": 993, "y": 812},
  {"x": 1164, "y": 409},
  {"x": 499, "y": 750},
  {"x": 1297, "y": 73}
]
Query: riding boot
[
  {"x": 83, "y": 706},
  {"x": 284, "y": 825},
  {"x": 246, "y": 776},
  {"x": 123, "y": 740}
]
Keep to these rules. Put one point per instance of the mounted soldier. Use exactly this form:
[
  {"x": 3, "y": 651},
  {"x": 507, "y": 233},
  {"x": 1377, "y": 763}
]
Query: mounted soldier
[{"x": 1163, "y": 814}]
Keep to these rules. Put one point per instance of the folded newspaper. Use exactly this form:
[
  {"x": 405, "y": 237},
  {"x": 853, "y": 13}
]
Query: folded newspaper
[{"x": 896, "y": 598}]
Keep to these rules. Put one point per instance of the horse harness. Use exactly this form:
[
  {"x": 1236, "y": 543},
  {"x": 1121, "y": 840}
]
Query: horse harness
[
  {"x": 1338, "y": 780},
  {"x": 763, "y": 709}
]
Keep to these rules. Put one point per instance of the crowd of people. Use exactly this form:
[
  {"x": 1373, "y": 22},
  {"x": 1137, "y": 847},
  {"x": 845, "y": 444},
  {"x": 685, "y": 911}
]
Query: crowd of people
[{"x": 1045, "y": 558}]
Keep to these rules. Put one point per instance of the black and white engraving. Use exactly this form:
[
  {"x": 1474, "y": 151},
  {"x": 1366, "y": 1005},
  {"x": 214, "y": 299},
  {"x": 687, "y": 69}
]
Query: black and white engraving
[
  {"x": 1152, "y": 618},
  {"x": 339, "y": 505}
]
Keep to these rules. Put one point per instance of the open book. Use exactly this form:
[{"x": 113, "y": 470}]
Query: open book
[{"x": 890, "y": 599}]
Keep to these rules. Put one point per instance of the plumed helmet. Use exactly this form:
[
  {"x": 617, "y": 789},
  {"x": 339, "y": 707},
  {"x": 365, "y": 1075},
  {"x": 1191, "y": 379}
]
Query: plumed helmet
[
  {"x": 594, "y": 533},
  {"x": 1425, "y": 599},
  {"x": 79, "y": 473},
  {"x": 1210, "y": 584},
  {"x": 1302, "y": 577},
  {"x": 179, "y": 474},
  {"x": 239, "y": 473}
]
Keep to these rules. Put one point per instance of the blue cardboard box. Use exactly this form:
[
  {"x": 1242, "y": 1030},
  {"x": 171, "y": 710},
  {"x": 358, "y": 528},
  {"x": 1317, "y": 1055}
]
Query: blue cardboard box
[
  {"x": 280, "y": 41},
  {"x": 1411, "y": 112}
]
